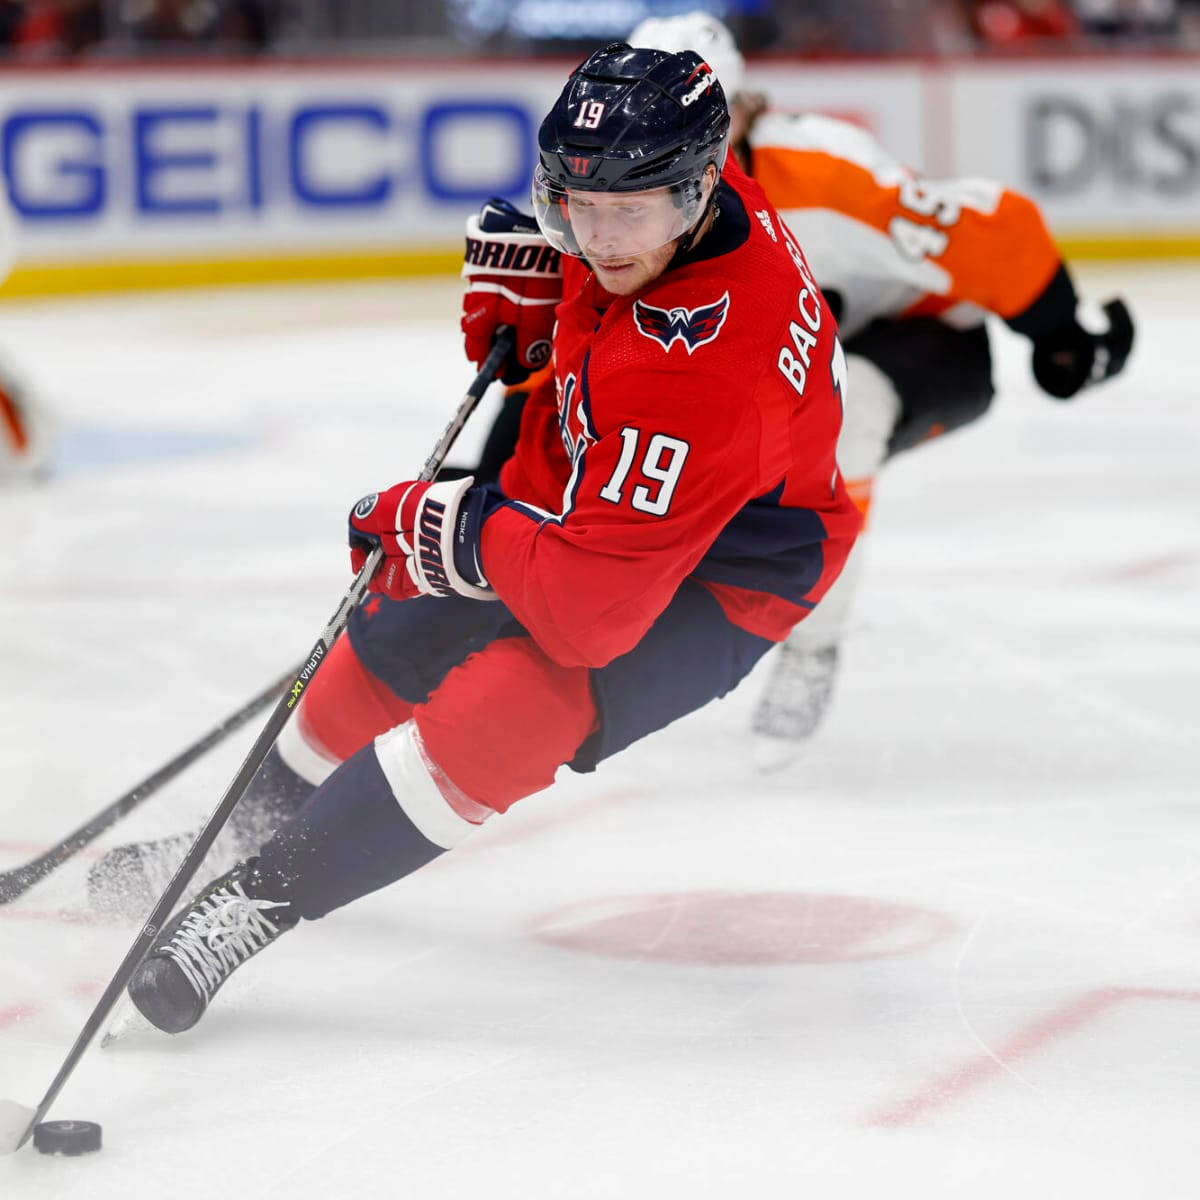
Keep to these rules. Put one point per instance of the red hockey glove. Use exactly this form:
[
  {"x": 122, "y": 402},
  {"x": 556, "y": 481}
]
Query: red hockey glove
[
  {"x": 430, "y": 538},
  {"x": 1071, "y": 358},
  {"x": 514, "y": 277}
]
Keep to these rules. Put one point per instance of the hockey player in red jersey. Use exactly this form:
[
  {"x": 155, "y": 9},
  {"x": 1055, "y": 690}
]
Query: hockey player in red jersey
[
  {"x": 673, "y": 510},
  {"x": 911, "y": 267}
]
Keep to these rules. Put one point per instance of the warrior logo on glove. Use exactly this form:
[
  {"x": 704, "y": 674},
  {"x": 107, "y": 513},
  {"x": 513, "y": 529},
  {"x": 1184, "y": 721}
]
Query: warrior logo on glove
[
  {"x": 429, "y": 534},
  {"x": 531, "y": 256},
  {"x": 514, "y": 278}
]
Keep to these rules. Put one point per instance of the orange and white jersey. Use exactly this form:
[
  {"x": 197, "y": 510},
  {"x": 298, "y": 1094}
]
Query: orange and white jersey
[
  {"x": 891, "y": 243},
  {"x": 26, "y": 429}
]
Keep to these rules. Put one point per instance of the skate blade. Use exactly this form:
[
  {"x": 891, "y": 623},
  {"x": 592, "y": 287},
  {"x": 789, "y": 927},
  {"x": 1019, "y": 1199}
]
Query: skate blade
[
  {"x": 125, "y": 1022},
  {"x": 16, "y": 1123},
  {"x": 771, "y": 755}
]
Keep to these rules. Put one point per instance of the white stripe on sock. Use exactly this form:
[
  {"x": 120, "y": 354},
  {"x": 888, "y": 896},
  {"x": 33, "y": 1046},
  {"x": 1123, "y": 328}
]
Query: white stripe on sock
[
  {"x": 303, "y": 757},
  {"x": 415, "y": 790}
]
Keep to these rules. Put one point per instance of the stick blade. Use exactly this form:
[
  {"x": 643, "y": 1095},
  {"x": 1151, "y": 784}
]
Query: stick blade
[{"x": 16, "y": 1124}]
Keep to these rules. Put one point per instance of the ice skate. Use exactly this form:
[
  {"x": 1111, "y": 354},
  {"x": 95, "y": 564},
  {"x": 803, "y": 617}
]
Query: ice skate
[
  {"x": 794, "y": 702},
  {"x": 198, "y": 950}
]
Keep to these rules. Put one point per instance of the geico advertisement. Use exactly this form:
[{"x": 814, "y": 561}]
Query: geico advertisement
[
  {"x": 1100, "y": 147},
  {"x": 143, "y": 163},
  {"x": 149, "y": 163}
]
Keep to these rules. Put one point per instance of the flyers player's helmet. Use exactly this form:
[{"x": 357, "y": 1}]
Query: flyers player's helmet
[
  {"x": 645, "y": 124},
  {"x": 702, "y": 32}
]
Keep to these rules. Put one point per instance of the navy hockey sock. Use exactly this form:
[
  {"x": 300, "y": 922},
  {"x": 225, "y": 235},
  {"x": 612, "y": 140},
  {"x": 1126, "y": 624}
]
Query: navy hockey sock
[
  {"x": 275, "y": 794},
  {"x": 351, "y": 839}
]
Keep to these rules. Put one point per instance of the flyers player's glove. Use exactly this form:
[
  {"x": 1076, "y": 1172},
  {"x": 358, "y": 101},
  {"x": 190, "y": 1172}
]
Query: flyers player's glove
[
  {"x": 513, "y": 277},
  {"x": 1071, "y": 357},
  {"x": 429, "y": 533}
]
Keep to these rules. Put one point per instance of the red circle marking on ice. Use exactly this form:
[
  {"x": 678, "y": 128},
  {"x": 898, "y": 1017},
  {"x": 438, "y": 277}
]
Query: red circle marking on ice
[{"x": 740, "y": 929}]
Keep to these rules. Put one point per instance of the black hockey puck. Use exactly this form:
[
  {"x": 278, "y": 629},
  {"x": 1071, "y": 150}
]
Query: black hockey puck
[{"x": 66, "y": 1137}]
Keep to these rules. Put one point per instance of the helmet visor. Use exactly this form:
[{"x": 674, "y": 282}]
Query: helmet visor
[{"x": 614, "y": 226}]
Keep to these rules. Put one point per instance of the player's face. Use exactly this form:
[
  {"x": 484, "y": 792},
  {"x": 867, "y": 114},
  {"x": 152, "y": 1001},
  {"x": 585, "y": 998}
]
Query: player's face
[
  {"x": 623, "y": 277},
  {"x": 628, "y": 238}
]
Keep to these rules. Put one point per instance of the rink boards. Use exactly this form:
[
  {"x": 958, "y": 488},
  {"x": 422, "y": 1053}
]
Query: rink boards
[{"x": 130, "y": 176}]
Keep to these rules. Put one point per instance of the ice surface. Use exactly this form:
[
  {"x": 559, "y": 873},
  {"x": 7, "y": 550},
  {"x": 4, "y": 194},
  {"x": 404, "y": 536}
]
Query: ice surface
[
  {"x": 954, "y": 952},
  {"x": 14, "y": 1124}
]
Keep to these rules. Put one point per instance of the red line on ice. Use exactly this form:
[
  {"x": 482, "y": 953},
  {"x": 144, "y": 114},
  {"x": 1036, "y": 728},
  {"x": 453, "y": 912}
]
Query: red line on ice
[
  {"x": 31, "y": 848},
  {"x": 62, "y": 916},
  {"x": 15, "y": 1013},
  {"x": 951, "y": 1086}
]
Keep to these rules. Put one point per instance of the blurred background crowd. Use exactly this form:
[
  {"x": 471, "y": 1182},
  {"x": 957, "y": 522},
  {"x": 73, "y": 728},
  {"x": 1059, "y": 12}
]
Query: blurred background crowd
[{"x": 41, "y": 30}]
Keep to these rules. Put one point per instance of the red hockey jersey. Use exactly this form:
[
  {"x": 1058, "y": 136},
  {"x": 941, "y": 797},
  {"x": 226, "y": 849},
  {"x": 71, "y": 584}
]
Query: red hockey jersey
[{"x": 686, "y": 431}]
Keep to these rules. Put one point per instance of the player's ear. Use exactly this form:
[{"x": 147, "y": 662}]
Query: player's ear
[{"x": 709, "y": 182}]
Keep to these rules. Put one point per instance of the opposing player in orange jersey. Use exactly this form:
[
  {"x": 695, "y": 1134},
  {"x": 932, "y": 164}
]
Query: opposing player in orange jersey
[
  {"x": 910, "y": 267},
  {"x": 24, "y": 427}
]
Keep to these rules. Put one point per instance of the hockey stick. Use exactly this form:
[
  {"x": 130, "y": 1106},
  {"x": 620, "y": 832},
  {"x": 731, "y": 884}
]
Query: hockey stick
[
  {"x": 17, "y": 1120},
  {"x": 18, "y": 880}
]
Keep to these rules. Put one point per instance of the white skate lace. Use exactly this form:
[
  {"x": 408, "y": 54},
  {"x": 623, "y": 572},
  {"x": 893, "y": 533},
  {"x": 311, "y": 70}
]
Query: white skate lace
[{"x": 221, "y": 932}]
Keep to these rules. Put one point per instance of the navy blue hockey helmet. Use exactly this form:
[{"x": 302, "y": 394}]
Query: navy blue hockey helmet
[{"x": 630, "y": 121}]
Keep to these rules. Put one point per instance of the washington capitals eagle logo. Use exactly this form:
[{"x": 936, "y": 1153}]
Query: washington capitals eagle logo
[{"x": 694, "y": 327}]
